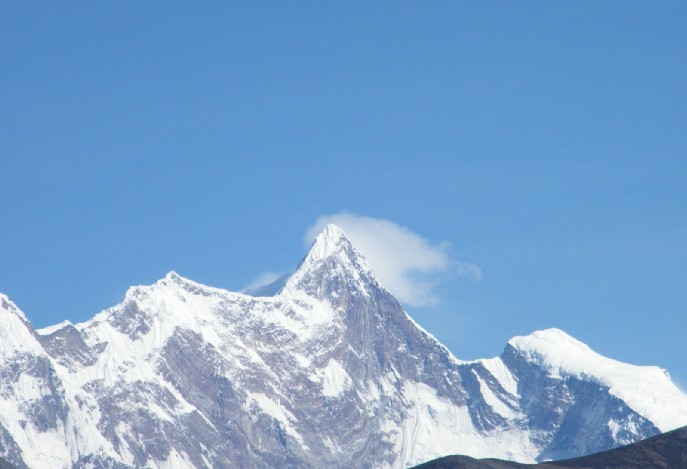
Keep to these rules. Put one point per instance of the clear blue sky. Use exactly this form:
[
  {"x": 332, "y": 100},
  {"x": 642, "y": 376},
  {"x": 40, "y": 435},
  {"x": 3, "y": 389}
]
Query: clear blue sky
[{"x": 544, "y": 141}]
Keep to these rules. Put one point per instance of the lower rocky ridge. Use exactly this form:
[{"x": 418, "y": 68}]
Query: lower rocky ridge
[{"x": 666, "y": 451}]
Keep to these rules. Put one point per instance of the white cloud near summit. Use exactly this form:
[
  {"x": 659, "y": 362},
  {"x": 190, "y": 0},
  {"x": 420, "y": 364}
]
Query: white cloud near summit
[
  {"x": 263, "y": 279},
  {"x": 406, "y": 263}
]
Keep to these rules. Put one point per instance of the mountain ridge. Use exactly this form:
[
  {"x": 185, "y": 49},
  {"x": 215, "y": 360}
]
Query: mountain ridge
[{"x": 329, "y": 371}]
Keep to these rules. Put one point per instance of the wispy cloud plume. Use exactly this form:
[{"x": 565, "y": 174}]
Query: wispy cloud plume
[
  {"x": 262, "y": 279},
  {"x": 469, "y": 270},
  {"x": 405, "y": 262}
]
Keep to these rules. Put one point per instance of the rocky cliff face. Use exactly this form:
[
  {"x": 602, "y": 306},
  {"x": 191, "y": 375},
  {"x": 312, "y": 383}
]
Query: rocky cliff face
[{"x": 328, "y": 372}]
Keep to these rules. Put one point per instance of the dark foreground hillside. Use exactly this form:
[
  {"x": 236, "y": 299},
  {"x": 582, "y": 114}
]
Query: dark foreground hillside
[{"x": 668, "y": 451}]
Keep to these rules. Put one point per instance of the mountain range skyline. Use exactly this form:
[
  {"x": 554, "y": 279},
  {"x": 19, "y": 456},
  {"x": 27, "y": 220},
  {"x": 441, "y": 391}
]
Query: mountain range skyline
[
  {"x": 326, "y": 370},
  {"x": 387, "y": 237}
]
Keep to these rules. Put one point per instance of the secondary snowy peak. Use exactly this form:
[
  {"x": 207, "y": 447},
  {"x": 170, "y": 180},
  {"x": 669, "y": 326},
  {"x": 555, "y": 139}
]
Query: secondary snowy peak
[
  {"x": 7, "y": 305},
  {"x": 173, "y": 279},
  {"x": 54, "y": 328},
  {"x": 154, "y": 311},
  {"x": 549, "y": 342},
  {"x": 173, "y": 284},
  {"x": 16, "y": 333},
  {"x": 641, "y": 387}
]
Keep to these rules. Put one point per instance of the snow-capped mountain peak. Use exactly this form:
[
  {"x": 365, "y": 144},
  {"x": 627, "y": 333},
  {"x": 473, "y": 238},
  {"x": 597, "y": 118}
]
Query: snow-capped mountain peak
[
  {"x": 328, "y": 243},
  {"x": 333, "y": 258},
  {"x": 332, "y": 245}
]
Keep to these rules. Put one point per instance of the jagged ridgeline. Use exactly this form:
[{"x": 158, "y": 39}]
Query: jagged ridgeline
[{"x": 328, "y": 371}]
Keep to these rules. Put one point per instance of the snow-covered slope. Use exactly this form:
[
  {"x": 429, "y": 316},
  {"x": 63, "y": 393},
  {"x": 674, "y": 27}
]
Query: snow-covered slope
[
  {"x": 647, "y": 390},
  {"x": 327, "y": 372}
]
